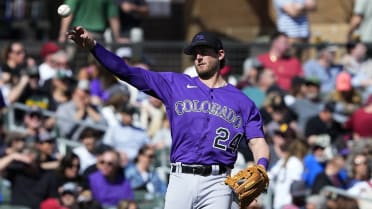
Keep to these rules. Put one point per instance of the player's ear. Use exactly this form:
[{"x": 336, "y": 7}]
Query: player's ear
[{"x": 221, "y": 54}]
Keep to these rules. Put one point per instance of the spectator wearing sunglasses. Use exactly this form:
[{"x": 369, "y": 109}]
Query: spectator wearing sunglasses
[
  {"x": 142, "y": 174},
  {"x": 108, "y": 184},
  {"x": 68, "y": 170}
]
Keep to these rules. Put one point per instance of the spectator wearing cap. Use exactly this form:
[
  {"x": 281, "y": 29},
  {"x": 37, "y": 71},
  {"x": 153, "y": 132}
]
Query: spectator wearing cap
[
  {"x": 68, "y": 198},
  {"x": 33, "y": 123},
  {"x": 280, "y": 138},
  {"x": 48, "y": 68},
  {"x": 288, "y": 169},
  {"x": 117, "y": 95},
  {"x": 275, "y": 112},
  {"x": 108, "y": 184},
  {"x": 346, "y": 98},
  {"x": 299, "y": 192},
  {"x": 324, "y": 123},
  {"x": 126, "y": 53},
  {"x": 323, "y": 67},
  {"x": 47, "y": 155},
  {"x": 359, "y": 122},
  {"x": 30, "y": 93},
  {"x": 251, "y": 66},
  {"x": 305, "y": 100},
  {"x": 79, "y": 109},
  {"x": 126, "y": 138},
  {"x": 314, "y": 161},
  {"x": 284, "y": 66},
  {"x": 69, "y": 194}
]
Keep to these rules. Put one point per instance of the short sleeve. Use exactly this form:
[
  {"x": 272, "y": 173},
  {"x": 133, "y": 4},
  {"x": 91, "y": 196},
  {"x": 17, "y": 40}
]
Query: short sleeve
[{"x": 360, "y": 6}]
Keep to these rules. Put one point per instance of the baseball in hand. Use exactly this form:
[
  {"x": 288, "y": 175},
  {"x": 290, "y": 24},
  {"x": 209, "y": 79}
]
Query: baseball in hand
[{"x": 64, "y": 10}]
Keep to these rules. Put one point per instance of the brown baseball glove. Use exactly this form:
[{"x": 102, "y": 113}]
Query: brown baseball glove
[{"x": 248, "y": 184}]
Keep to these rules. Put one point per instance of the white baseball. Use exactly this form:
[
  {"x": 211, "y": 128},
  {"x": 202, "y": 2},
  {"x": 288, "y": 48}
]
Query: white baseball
[{"x": 64, "y": 10}]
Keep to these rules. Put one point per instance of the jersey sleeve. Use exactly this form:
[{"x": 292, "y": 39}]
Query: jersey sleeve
[
  {"x": 254, "y": 124},
  {"x": 153, "y": 83}
]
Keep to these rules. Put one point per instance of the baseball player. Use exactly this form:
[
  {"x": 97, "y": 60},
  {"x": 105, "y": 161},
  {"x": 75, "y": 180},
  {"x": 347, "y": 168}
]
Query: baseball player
[{"x": 208, "y": 118}]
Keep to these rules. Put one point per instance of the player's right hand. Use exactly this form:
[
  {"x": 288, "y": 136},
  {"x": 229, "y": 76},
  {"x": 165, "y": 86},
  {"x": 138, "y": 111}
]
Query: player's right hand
[{"x": 81, "y": 37}]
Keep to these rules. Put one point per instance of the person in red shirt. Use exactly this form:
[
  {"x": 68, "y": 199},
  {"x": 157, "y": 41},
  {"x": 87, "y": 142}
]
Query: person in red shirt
[
  {"x": 278, "y": 59},
  {"x": 360, "y": 121}
]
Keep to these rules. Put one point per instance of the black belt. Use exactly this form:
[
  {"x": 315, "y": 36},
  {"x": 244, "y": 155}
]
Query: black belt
[{"x": 203, "y": 170}]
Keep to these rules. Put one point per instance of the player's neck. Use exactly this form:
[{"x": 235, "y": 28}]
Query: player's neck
[{"x": 214, "y": 82}]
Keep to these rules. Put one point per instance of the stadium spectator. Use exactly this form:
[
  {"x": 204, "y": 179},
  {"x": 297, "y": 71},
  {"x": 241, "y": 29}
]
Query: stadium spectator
[
  {"x": 90, "y": 139},
  {"x": 355, "y": 57},
  {"x": 94, "y": 15},
  {"x": 68, "y": 170},
  {"x": 287, "y": 170},
  {"x": 358, "y": 122},
  {"x": 360, "y": 169},
  {"x": 143, "y": 176},
  {"x": 126, "y": 138},
  {"x": 162, "y": 138},
  {"x": 293, "y": 19},
  {"x": 132, "y": 13},
  {"x": 33, "y": 124},
  {"x": 284, "y": 66},
  {"x": 265, "y": 84},
  {"x": 151, "y": 114},
  {"x": 323, "y": 67},
  {"x": 48, "y": 68},
  {"x": 298, "y": 191},
  {"x": 30, "y": 184},
  {"x": 361, "y": 21},
  {"x": 314, "y": 161},
  {"x": 305, "y": 100},
  {"x": 12, "y": 62},
  {"x": 108, "y": 184},
  {"x": 275, "y": 112},
  {"x": 346, "y": 98},
  {"x": 13, "y": 142},
  {"x": 47, "y": 155},
  {"x": 251, "y": 66},
  {"x": 79, "y": 109},
  {"x": 324, "y": 123},
  {"x": 30, "y": 93},
  {"x": 280, "y": 139},
  {"x": 117, "y": 95},
  {"x": 331, "y": 175}
]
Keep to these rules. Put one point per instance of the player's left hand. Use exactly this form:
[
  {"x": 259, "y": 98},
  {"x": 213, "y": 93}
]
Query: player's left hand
[
  {"x": 81, "y": 37},
  {"x": 248, "y": 184}
]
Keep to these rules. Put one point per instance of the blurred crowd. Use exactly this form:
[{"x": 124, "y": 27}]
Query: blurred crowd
[{"x": 316, "y": 105}]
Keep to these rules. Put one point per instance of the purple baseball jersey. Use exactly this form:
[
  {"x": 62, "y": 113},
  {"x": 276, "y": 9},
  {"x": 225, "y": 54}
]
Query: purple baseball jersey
[{"x": 207, "y": 124}]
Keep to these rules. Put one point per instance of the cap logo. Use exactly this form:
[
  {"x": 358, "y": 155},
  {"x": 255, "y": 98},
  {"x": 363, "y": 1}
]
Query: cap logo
[{"x": 199, "y": 37}]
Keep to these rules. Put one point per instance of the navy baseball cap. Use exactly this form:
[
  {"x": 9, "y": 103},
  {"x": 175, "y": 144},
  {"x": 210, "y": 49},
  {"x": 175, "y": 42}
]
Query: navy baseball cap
[{"x": 203, "y": 39}]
